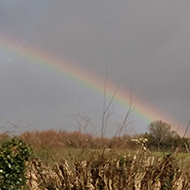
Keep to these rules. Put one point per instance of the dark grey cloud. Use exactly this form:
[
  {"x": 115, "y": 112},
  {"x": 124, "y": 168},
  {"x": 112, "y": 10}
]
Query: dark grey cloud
[{"x": 146, "y": 41}]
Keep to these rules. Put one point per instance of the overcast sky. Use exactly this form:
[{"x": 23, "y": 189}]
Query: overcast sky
[{"x": 147, "y": 42}]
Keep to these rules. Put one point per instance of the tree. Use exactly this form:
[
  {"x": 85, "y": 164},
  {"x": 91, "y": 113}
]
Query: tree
[
  {"x": 163, "y": 135},
  {"x": 159, "y": 130}
]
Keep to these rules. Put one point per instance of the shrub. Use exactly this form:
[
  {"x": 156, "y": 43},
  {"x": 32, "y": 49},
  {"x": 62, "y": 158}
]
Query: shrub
[{"x": 13, "y": 156}]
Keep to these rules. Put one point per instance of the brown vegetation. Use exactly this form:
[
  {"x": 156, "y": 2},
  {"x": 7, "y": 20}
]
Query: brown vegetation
[
  {"x": 134, "y": 171},
  {"x": 55, "y": 139}
]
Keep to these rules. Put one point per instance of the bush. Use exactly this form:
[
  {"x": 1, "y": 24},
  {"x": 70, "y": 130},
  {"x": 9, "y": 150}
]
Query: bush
[{"x": 13, "y": 156}]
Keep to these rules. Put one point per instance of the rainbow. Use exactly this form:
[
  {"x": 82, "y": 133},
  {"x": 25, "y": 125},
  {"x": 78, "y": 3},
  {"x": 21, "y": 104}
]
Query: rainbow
[{"x": 86, "y": 78}]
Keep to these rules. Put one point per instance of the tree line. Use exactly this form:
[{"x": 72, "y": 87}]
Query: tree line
[{"x": 160, "y": 137}]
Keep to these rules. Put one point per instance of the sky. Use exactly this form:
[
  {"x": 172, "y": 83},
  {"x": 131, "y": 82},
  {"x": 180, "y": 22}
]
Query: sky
[{"x": 60, "y": 62}]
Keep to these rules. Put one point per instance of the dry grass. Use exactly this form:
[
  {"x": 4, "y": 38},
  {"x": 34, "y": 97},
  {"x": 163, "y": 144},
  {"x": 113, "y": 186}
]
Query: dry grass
[{"x": 109, "y": 171}]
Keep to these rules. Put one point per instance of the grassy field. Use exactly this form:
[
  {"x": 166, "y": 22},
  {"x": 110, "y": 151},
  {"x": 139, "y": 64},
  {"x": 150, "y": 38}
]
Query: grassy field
[{"x": 49, "y": 155}]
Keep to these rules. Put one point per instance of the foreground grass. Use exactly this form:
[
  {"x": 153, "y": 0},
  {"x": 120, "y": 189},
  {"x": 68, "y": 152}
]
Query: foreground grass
[{"x": 110, "y": 169}]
